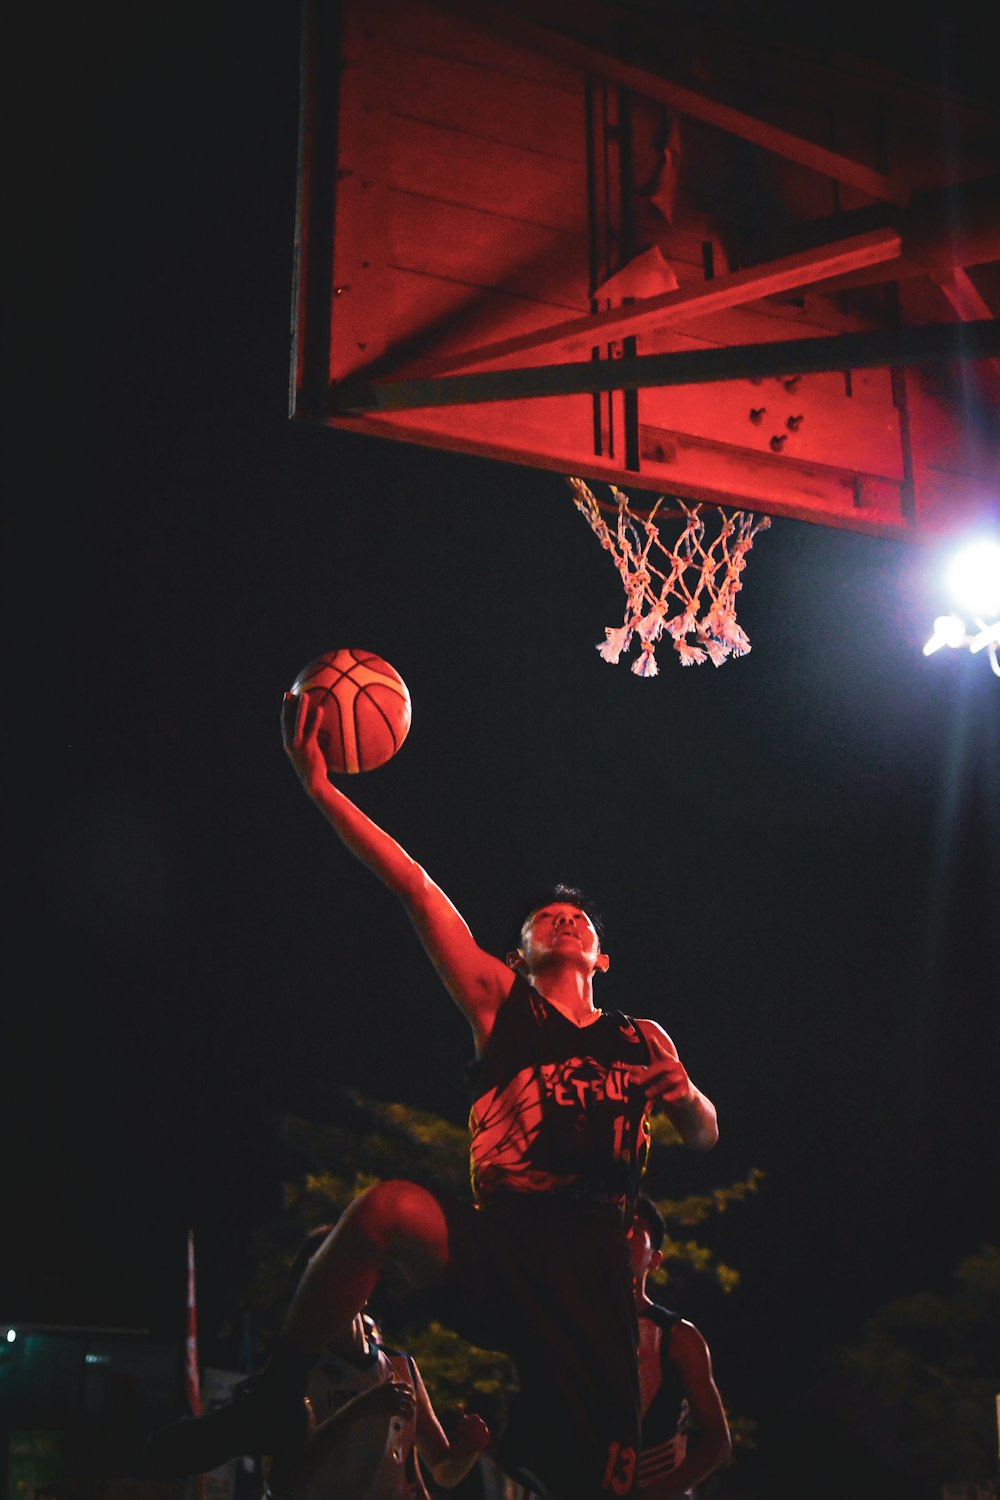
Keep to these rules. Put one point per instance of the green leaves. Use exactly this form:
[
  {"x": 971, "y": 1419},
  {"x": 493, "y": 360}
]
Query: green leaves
[{"x": 920, "y": 1385}]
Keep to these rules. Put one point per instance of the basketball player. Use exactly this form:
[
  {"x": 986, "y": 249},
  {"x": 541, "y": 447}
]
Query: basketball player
[
  {"x": 561, "y": 1094},
  {"x": 369, "y": 1416},
  {"x": 685, "y": 1435}
]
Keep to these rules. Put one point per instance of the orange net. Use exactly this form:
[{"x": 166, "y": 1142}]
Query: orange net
[{"x": 697, "y": 576}]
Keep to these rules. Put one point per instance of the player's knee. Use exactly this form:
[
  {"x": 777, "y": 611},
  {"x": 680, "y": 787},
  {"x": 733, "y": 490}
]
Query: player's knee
[{"x": 396, "y": 1211}]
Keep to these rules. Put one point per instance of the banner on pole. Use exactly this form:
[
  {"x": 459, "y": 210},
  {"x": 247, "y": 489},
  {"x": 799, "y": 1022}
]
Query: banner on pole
[{"x": 192, "y": 1384}]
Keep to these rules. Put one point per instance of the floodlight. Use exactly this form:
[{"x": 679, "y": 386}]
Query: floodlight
[
  {"x": 988, "y": 635},
  {"x": 949, "y": 630},
  {"x": 974, "y": 577}
]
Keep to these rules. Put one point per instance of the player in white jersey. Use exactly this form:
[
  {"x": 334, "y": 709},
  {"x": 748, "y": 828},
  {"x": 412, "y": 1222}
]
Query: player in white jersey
[{"x": 369, "y": 1418}]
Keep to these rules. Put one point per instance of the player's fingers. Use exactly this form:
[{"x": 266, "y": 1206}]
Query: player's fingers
[
  {"x": 395, "y": 1398},
  {"x": 308, "y": 720},
  {"x": 475, "y": 1433},
  {"x": 670, "y": 1091},
  {"x": 667, "y": 1067},
  {"x": 655, "y": 1072},
  {"x": 289, "y": 718},
  {"x": 673, "y": 1094},
  {"x": 304, "y": 720}
]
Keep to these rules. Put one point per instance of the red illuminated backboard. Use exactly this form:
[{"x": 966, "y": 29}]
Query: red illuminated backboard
[{"x": 560, "y": 235}]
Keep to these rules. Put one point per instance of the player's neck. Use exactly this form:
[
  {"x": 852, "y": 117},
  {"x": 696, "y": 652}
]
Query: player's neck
[
  {"x": 642, "y": 1302},
  {"x": 569, "y": 990},
  {"x": 352, "y": 1343}
]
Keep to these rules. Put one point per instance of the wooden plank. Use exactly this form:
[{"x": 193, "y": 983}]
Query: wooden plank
[
  {"x": 552, "y": 433},
  {"x": 420, "y": 314},
  {"x": 684, "y": 247},
  {"x": 757, "y": 323},
  {"x": 483, "y": 249},
  {"x": 382, "y": 233},
  {"x": 902, "y": 347},
  {"x": 568, "y": 51},
  {"x": 357, "y": 332},
  {"x": 494, "y": 106},
  {"x": 966, "y": 300},
  {"x": 947, "y": 436},
  {"x": 460, "y": 33},
  {"x": 952, "y": 501},
  {"x": 868, "y": 384},
  {"x": 731, "y": 476},
  {"x": 803, "y": 269},
  {"x": 315, "y": 203},
  {"x": 451, "y": 312},
  {"x": 557, "y": 437},
  {"x": 765, "y": 322},
  {"x": 451, "y": 166},
  {"x": 816, "y": 423},
  {"x": 963, "y": 294},
  {"x": 444, "y": 316}
]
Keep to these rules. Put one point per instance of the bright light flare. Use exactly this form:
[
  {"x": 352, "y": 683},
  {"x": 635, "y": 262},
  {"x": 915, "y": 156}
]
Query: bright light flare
[
  {"x": 949, "y": 630},
  {"x": 974, "y": 578},
  {"x": 11, "y": 1335},
  {"x": 989, "y": 635}
]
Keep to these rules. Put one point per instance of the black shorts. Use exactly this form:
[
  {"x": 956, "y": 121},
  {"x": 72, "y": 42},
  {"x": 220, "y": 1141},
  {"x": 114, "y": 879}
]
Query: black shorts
[{"x": 549, "y": 1284}]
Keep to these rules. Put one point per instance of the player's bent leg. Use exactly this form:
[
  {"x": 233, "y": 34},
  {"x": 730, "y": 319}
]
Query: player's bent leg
[{"x": 394, "y": 1222}]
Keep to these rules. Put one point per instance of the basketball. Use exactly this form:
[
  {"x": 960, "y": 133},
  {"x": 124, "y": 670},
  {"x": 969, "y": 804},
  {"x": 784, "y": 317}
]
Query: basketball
[{"x": 364, "y": 706}]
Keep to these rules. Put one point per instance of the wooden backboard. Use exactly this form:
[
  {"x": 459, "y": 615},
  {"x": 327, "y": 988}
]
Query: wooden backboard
[{"x": 567, "y": 236}]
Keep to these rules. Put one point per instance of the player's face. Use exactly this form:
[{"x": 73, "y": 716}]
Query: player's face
[
  {"x": 641, "y": 1251},
  {"x": 559, "y": 930}
]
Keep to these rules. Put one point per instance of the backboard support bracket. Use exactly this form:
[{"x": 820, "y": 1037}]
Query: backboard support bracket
[{"x": 856, "y": 351}]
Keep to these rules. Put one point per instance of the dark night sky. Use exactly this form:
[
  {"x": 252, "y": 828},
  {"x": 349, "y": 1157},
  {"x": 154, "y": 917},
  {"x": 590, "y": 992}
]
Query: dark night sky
[{"x": 797, "y": 854}]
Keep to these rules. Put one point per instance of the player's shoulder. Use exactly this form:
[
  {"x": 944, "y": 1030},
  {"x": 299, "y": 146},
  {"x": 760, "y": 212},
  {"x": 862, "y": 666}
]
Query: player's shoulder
[
  {"x": 385, "y": 1348},
  {"x": 520, "y": 1005},
  {"x": 687, "y": 1344},
  {"x": 661, "y": 1316},
  {"x": 660, "y": 1041},
  {"x": 497, "y": 976},
  {"x": 401, "y": 1363}
]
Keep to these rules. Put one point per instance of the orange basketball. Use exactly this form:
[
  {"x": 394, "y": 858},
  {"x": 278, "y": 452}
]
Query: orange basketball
[{"x": 364, "y": 706}]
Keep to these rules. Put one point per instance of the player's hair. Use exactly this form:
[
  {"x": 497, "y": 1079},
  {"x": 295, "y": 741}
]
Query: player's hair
[
  {"x": 570, "y": 895},
  {"x": 648, "y": 1215}
]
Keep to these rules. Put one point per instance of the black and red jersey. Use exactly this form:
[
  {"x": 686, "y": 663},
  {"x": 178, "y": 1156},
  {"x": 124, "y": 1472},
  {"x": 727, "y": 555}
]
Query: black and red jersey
[
  {"x": 664, "y": 1399},
  {"x": 553, "y": 1110}
]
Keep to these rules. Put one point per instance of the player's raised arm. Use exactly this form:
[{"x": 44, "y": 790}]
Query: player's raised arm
[
  {"x": 476, "y": 980},
  {"x": 667, "y": 1084}
]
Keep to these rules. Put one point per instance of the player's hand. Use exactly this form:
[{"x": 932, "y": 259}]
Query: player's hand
[
  {"x": 470, "y": 1434},
  {"x": 664, "y": 1081},
  {"x": 391, "y": 1398},
  {"x": 299, "y": 731}
]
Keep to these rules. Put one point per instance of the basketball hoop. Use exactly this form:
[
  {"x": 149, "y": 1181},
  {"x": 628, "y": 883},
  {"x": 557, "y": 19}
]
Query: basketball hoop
[{"x": 700, "y": 574}]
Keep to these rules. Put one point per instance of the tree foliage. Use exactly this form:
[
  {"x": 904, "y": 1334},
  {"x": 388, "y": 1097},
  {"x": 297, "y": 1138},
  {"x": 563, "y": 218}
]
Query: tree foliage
[
  {"x": 684, "y": 1214},
  {"x": 919, "y": 1388}
]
